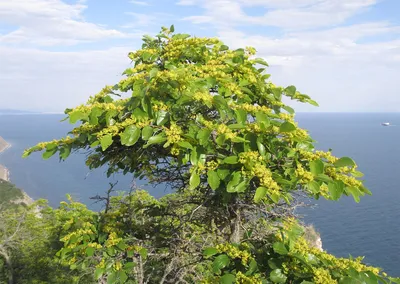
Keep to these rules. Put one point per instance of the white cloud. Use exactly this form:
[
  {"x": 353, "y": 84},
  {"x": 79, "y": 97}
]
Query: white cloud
[
  {"x": 50, "y": 22},
  {"x": 344, "y": 67},
  {"x": 140, "y": 3},
  {"x": 53, "y": 81},
  {"x": 300, "y": 14}
]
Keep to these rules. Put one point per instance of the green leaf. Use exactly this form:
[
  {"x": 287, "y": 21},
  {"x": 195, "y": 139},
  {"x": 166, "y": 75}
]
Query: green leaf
[
  {"x": 220, "y": 262},
  {"x": 231, "y": 160},
  {"x": 260, "y": 61},
  {"x": 261, "y": 192},
  {"x": 275, "y": 197},
  {"x": 313, "y": 186},
  {"x": 185, "y": 144},
  {"x": 228, "y": 279},
  {"x": 277, "y": 276},
  {"x": 90, "y": 251},
  {"x": 262, "y": 118},
  {"x": 335, "y": 190},
  {"x": 288, "y": 109},
  {"x": 112, "y": 278},
  {"x": 49, "y": 153},
  {"x": 241, "y": 116},
  {"x": 130, "y": 136},
  {"x": 129, "y": 265},
  {"x": 223, "y": 48},
  {"x": 312, "y": 102},
  {"x": 357, "y": 174},
  {"x": 98, "y": 273},
  {"x": 194, "y": 180},
  {"x": 155, "y": 140},
  {"x": 106, "y": 141},
  {"x": 210, "y": 252},
  {"x": 65, "y": 151},
  {"x": 143, "y": 253},
  {"x": 317, "y": 167},
  {"x": 153, "y": 72},
  {"x": 287, "y": 127},
  {"x": 213, "y": 179},
  {"x": 122, "y": 276},
  {"x": 146, "y": 56},
  {"x": 241, "y": 187},
  {"x": 223, "y": 173},
  {"x": 162, "y": 117},
  {"x": 290, "y": 90},
  {"x": 280, "y": 248},
  {"x": 172, "y": 28},
  {"x": 147, "y": 132},
  {"x": 203, "y": 135},
  {"x": 344, "y": 162},
  {"x": 231, "y": 187},
  {"x": 324, "y": 178},
  {"x": 94, "y": 114},
  {"x": 77, "y": 115},
  {"x": 354, "y": 192}
]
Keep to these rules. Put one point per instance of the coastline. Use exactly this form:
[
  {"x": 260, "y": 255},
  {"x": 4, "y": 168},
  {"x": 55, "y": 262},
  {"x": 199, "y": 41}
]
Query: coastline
[
  {"x": 5, "y": 175},
  {"x": 4, "y": 172}
]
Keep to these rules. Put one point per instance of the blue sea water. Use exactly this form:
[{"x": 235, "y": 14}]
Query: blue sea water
[{"x": 370, "y": 228}]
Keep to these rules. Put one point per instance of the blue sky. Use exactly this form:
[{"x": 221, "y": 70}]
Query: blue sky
[{"x": 344, "y": 53}]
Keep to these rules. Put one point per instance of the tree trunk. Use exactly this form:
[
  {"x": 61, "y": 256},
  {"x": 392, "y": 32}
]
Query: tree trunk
[
  {"x": 236, "y": 226},
  {"x": 9, "y": 265}
]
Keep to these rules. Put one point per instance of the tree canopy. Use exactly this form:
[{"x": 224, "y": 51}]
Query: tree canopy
[{"x": 207, "y": 122}]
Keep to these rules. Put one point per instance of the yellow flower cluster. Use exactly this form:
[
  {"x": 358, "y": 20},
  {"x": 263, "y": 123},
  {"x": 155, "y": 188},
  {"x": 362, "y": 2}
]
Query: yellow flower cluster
[
  {"x": 303, "y": 175},
  {"x": 203, "y": 97},
  {"x": 112, "y": 240},
  {"x": 234, "y": 89},
  {"x": 212, "y": 165},
  {"x": 251, "y": 108},
  {"x": 234, "y": 252},
  {"x": 285, "y": 116},
  {"x": 94, "y": 245},
  {"x": 348, "y": 180},
  {"x": 173, "y": 133},
  {"x": 253, "y": 127},
  {"x": 243, "y": 279},
  {"x": 101, "y": 264},
  {"x": 322, "y": 276},
  {"x": 250, "y": 50},
  {"x": 324, "y": 191},
  {"x": 137, "y": 54},
  {"x": 117, "y": 266},
  {"x": 159, "y": 106},
  {"x": 254, "y": 166},
  {"x": 223, "y": 129},
  {"x": 175, "y": 47},
  {"x": 78, "y": 232},
  {"x": 332, "y": 263},
  {"x": 100, "y": 95},
  {"x": 318, "y": 155}
]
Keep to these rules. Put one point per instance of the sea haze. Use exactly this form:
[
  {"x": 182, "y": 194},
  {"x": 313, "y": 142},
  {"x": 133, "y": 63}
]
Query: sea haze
[{"x": 370, "y": 228}]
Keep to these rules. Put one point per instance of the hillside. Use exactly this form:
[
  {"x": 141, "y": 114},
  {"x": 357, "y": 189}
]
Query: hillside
[{"x": 9, "y": 194}]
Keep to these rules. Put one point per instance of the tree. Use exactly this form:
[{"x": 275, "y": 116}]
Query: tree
[{"x": 206, "y": 121}]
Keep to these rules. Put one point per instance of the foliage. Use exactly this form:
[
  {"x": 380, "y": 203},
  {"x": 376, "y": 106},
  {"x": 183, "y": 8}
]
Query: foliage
[
  {"x": 206, "y": 121},
  {"x": 28, "y": 244},
  {"x": 8, "y": 193}
]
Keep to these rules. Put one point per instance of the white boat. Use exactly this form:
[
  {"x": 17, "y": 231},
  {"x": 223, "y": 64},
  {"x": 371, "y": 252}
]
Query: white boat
[{"x": 386, "y": 124}]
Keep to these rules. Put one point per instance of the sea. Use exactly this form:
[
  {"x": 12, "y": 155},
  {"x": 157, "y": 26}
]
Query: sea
[{"x": 370, "y": 228}]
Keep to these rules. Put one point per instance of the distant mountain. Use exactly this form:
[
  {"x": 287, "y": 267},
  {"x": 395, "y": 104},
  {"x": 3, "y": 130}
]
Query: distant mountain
[{"x": 16, "y": 111}]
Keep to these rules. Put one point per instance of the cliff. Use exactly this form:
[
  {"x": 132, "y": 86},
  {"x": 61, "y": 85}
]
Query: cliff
[{"x": 3, "y": 144}]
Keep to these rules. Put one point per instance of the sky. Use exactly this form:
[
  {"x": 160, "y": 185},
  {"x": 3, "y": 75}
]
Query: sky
[{"x": 345, "y": 54}]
